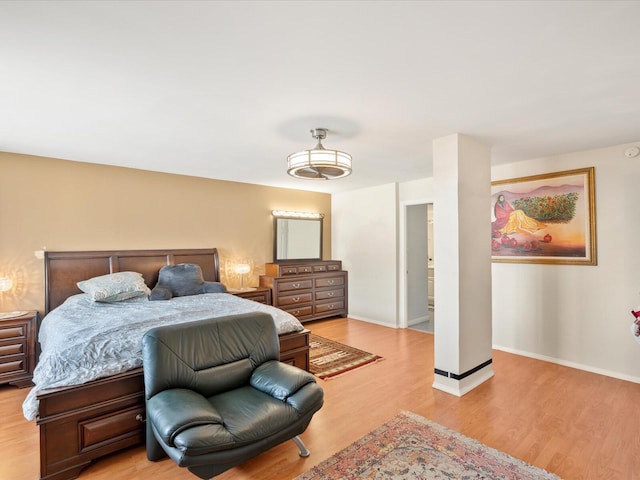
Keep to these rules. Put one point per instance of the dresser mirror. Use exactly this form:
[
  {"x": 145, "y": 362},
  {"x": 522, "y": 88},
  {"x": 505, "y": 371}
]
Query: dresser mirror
[{"x": 297, "y": 238}]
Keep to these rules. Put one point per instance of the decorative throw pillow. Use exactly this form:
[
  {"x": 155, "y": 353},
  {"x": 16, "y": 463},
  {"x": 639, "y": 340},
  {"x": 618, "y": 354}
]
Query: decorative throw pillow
[
  {"x": 182, "y": 280},
  {"x": 114, "y": 287}
]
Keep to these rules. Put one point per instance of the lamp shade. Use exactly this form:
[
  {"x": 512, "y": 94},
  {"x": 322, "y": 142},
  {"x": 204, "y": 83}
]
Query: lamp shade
[
  {"x": 242, "y": 268},
  {"x": 5, "y": 284}
]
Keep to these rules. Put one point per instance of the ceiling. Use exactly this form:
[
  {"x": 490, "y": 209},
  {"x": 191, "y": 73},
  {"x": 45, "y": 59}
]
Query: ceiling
[{"x": 227, "y": 90}]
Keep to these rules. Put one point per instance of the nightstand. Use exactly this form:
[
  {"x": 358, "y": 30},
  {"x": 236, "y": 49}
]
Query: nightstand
[
  {"x": 258, "y": 294},
  {"x": 18, "y": 349}
]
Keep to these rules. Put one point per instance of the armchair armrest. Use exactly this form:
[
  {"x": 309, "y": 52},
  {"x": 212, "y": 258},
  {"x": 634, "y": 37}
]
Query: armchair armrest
[
  {"x": 174, "y": 410},
  {"x": 279, "y": 379}
]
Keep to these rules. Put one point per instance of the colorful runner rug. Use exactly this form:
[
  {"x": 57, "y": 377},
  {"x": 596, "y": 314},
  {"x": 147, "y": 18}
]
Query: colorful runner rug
[
  {"x": 328, "y": 359},
  {"x": 412, "y": 447}
]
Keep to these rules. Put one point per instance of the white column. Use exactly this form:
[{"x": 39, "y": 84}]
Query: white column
[{"x": 462, "y": 248}]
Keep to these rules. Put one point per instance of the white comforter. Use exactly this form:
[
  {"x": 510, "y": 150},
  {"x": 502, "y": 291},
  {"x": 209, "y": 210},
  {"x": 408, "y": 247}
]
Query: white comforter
[{"x": 82, "y": 340}]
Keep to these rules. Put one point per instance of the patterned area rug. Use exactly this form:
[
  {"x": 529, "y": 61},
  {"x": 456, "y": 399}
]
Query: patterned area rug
[
  {"x": 412, "y": 447},
  {"x": 328, "y": 359}
]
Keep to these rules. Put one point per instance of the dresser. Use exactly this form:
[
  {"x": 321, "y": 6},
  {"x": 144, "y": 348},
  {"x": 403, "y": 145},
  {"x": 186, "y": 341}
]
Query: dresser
[
  {"x": 18, "y": 349},
  {"x": 309, "y": 290}
]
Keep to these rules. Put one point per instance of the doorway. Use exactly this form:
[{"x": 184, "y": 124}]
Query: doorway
[{"x": 420, "y": 273}]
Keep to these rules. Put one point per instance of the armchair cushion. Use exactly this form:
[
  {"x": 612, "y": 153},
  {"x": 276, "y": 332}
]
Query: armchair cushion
[
  {"x": 172, "y": 411},
  {"x": 249, "y": 416},
  {"x": 279, "y": 379}
]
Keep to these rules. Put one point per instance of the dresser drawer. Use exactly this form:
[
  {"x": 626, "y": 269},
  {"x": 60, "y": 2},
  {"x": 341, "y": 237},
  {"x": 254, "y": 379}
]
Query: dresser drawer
[
  {"x": 288, "y": 271},
  {"x": 329, "y": 281},
  {"x": 12, "y": 367},
  {"x": 295, "y": 285},
  {"x": 330, "y": 294},
  {"x": 293, "y": 341},
  {"x": 95, "y": 432},
  {"x": 295, "y": 299},
  {"x": 15, "y": 348},
  {"x": 13, "y": 331},
  {"x": 300, "y": 311},
  {"x": 257, "y": 297},
  {"x": 258, "y": 294},
  {"x": 326, "y": 307}
]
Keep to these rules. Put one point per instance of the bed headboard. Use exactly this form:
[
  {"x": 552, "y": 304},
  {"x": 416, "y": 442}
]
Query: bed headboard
[{"x": 63, "y": 270}]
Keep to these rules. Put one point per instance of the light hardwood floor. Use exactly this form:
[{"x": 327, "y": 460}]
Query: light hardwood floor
[{"x": 576, "y": 424}]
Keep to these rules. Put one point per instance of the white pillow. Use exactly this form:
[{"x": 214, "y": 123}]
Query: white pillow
[{"x": 115, "y": 287}]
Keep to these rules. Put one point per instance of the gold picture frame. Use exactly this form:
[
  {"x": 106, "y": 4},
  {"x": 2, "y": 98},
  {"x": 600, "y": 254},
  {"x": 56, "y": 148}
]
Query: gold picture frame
[{"x": 548, "y": 218}]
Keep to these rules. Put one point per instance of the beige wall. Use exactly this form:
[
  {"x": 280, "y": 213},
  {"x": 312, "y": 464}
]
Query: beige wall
[{"x": 64, "y": 205}]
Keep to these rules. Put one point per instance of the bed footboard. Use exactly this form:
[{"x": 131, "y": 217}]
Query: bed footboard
[{"x": 81, "y": 423}]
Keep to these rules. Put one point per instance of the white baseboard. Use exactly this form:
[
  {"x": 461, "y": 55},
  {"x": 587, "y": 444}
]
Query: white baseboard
[
  {"x": 565, "y": 363},
  {"x": 464, "y": 386},
  {"x": 370, "y": 320},
  {"x": 413, "y": 321}
]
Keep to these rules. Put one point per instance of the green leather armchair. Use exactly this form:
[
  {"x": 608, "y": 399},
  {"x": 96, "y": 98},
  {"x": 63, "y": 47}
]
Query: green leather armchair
[{"x": 216, "y": 394}]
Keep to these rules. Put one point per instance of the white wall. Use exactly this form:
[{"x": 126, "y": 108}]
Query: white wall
[
  {"x": 579, "y": 315},
  {"x": 416, "y": 191},
  {"x": 367, "y": 246},
  {"x": 574, "y": 315}
]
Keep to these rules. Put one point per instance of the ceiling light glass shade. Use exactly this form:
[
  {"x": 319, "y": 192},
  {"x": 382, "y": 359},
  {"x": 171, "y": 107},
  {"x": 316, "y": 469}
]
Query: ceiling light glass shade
[{"x": 319, "y": 163}]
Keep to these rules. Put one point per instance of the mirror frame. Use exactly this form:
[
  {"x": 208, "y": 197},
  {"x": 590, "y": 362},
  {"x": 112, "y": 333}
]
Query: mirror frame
[{"x": 275, "y": 239}]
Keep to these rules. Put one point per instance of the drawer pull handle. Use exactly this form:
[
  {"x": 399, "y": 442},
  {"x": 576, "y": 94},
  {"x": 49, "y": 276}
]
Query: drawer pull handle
[
  {"x": 331, "y": 306},
  {"x": 330, "y": 282},
  {"x": 296, "y": 312},
  {"x": 296, "y": 299},
  {"x": 295, "y": 285},
  {"x": 330, "y": 294},
  {"x": 140, "y": 418}
]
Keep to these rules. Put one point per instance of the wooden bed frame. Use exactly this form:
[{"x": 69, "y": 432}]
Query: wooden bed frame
[{"x": 83, "y": 422}]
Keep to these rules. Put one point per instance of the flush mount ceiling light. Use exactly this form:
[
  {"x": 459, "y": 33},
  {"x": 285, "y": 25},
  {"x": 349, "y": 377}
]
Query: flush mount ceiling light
[{"x": 319, "y": 163}]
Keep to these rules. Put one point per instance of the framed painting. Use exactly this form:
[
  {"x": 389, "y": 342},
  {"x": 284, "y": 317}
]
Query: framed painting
[{"x": 547, "y": 218}]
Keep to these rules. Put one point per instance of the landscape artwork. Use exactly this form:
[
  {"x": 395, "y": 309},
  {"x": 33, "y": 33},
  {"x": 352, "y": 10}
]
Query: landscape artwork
[{"x": 547, "y": 218}]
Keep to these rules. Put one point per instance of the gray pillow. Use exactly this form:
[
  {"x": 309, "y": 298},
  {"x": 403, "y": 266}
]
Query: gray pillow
[
  {"x": 114, "y": 287},
  {"x": 182, "y": 280}
]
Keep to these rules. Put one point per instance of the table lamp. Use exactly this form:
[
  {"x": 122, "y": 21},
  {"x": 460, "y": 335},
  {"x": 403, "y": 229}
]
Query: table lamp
[
  {"x": 242, "y": 268},
  {"x": 5, "y": 285}
]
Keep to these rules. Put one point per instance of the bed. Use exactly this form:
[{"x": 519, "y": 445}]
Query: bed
[{"x": 81, "y": 422}]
